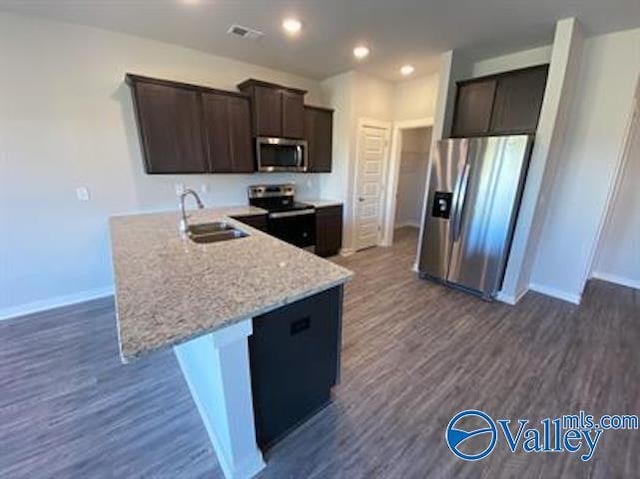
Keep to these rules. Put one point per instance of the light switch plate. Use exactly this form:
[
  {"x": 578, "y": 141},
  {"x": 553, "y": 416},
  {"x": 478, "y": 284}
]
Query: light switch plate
[{"x": 179, "y": 188}]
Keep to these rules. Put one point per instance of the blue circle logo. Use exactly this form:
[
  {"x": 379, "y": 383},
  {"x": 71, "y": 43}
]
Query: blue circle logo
[{"x": 456, "y": 436}]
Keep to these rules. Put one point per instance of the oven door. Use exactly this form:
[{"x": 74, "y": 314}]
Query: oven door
[
  {"x": 296, "y": 227},
  {"x": 281, "y": 154}
]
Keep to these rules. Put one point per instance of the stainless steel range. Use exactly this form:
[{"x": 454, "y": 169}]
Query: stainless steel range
[{"x": 288, "y": 219}]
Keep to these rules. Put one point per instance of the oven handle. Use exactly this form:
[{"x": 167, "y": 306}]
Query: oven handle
[{"x": 286, "y": 214}]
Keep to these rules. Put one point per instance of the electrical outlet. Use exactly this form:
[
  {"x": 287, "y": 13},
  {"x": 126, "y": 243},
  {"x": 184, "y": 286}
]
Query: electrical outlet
[
  {"x": 179, "y": 188},
  {"x": 82, "y": 193},
  {"x": 204, "y": 188}
]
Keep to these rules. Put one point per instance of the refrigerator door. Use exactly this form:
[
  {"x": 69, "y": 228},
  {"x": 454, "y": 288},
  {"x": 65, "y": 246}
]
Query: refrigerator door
[
  {"x": 484, "y": 220},
  {"x": 444, "y": 184}
]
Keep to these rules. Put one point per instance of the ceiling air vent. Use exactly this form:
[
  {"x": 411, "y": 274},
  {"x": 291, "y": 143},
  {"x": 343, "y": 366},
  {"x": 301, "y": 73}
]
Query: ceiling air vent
[{"x": 245, "y": 32}]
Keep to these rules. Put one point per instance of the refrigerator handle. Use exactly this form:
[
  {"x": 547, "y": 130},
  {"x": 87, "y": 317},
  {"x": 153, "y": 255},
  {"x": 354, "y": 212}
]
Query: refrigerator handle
[{"x": 461, "y": 194}]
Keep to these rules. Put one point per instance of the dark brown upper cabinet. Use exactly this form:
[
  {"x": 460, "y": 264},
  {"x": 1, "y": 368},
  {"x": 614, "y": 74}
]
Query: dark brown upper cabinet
[
  {"x": 518, "y": 101},
  {"x": 473, "y": 108},
  {"x": 170, "y": 127},
  {"x": 278, "y": 111},
  {"x": 192, "y": 129},
  {"x": 502, "y": 104},
  {"x": 267, "y": 111},
  {"x": 292, "y": 114},
  {"x": 227, "y": 125},
  {"x": 318, "y": 131}
]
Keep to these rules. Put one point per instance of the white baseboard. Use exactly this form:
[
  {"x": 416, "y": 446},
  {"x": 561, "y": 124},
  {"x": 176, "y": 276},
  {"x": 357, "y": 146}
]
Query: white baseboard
[
  {"x": 413, "y": 224},
  {"x": 556, "y": 293},
  {"x": 347, "y": 251},
  {"x": 613, "y": 278},
  {"x": 510, "y": 298},
  {"x": 56, "y": 302}
]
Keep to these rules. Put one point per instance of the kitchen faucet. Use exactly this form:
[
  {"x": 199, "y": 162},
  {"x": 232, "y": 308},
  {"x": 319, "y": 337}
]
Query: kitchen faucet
[{"x": 183, "y": 220}]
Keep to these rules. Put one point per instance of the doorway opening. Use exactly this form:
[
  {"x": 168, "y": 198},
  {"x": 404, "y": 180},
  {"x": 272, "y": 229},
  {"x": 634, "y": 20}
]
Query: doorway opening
[{"x": 409, "y": 168}]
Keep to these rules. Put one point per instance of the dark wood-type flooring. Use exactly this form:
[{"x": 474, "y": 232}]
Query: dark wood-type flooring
[{"x": 414, "y": 354}]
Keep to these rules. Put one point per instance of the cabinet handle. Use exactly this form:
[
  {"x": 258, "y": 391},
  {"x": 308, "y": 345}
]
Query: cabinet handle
[{"x": 300, "y": 325}]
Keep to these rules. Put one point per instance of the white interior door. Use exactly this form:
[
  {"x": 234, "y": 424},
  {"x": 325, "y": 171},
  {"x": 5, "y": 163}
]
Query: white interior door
[{"x": 372, "y": 157}]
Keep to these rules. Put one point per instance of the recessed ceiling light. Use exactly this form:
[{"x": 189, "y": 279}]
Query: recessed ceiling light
[
  {"x": 291, "y": 25},
  {"x": 360, "y": 52},
  {"x": 407, "y": 70}
]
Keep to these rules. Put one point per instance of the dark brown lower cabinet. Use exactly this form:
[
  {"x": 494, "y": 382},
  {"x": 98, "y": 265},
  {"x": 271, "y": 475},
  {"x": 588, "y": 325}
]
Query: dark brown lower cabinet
[
  {"x": 258, "y": 222},
  {"x": 328, "y": 230}
]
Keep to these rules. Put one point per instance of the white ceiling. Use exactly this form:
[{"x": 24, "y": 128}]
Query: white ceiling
[{"x": 397, "y": 31}]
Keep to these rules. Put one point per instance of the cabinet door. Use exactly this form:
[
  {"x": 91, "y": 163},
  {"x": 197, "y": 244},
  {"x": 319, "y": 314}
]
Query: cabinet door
[
  {"x": 170, "y": 124},
  {"x": 218, "y": 142},
  {"x": 328, "y": 230},
  {"x": 267, "y": 104},
  {"x": 518, "y": 101},
  {"x": 228, "y": 133},
  {"x": 472, "y": 114},
  {"x": 292, "y": 114},
  {"x": 294, "y": 357},
  {"x": 239, "y": 120},
  {"x": 318, "y": 131}
]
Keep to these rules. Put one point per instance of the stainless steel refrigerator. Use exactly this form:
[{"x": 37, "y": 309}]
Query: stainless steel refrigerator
[{"x": 475, "y": 188}]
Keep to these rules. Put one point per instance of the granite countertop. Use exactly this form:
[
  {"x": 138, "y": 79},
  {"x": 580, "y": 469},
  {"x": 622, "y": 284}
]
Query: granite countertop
[
  {"x": 170, "y": 289},
  {"x": 320, "y": 203}
]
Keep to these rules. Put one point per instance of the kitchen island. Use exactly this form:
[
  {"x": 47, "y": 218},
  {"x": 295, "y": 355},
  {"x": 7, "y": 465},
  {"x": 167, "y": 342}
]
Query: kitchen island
[{"x": 205, "y": 300}]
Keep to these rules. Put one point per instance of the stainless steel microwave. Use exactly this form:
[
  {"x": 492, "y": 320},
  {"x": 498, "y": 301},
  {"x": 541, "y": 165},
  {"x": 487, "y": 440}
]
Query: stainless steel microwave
[{"x": 281, "y": 154}]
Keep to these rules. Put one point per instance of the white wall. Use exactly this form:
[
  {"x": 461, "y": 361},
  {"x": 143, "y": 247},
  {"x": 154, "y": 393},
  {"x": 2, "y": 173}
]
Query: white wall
[
  {"x": 545, "y": 157},
  {"x": 67, "y": 120},
  {"x": 512, "y": 61},
  {"x": 354, "y": 96},
  {"x": 592, "y": 144},
  {"x": 414, "y": 160},
  {"x": 563, "y": 56},
  {"x": 415, "y": 99},
  {"x": 339, "y": 93},
  {"x": 619, "y": 251},
  {"x": 374, "y": 98}
]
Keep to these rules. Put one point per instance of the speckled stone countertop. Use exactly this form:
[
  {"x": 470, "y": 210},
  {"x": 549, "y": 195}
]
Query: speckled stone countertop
[
  {"x": 320, "y": 203},
  {"x": 170, "y": 289}
]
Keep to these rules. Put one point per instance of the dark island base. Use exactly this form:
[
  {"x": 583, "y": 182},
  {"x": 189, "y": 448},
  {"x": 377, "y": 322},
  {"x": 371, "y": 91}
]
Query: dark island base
[{"x": 294, "y": 357}]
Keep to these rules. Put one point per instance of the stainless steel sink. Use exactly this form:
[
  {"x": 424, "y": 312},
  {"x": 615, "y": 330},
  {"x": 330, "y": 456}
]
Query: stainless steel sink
[{"x": 213, "y": 232}]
